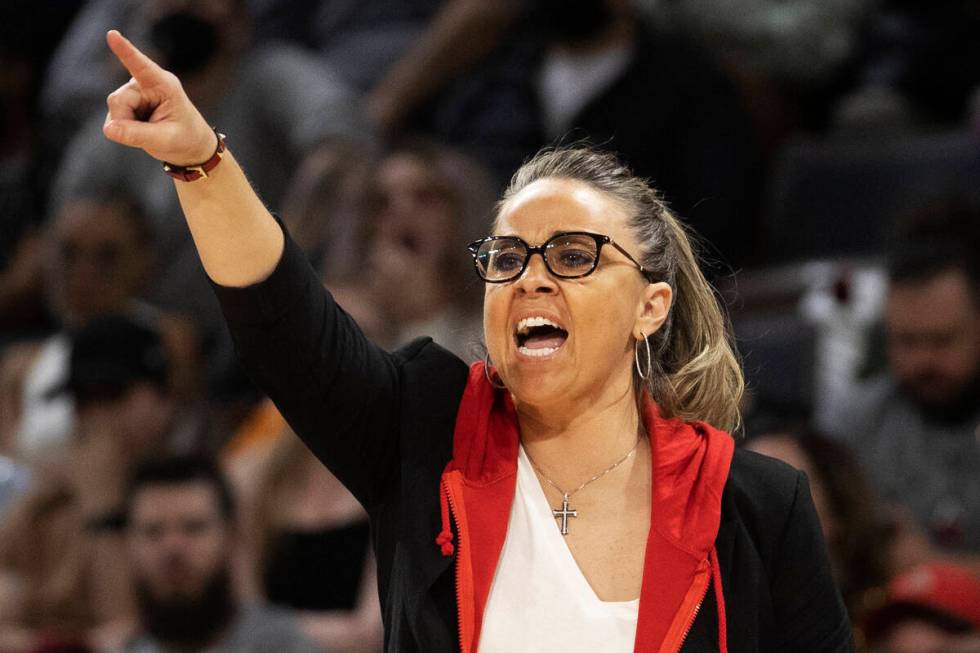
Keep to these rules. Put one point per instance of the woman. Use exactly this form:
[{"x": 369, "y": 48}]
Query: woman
[
  {"x": 411, "y": 208},
  {"x": 308, "y": 545},
  {"x": 662, "y": 526},
  {"x": 98, "y": 259}
]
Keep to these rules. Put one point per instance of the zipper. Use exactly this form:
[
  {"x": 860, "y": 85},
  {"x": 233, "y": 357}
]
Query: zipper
[
  {"x": 693, "y": 618},
  {"x": 457, "y": 562}
]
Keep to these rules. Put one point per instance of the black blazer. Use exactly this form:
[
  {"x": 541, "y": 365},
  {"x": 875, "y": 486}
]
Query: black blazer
[{"x": 383, "y": 423}]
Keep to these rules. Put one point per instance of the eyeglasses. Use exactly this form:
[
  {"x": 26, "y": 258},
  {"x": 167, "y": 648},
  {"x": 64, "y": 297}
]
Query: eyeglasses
[{"x": 568, "y": 255}]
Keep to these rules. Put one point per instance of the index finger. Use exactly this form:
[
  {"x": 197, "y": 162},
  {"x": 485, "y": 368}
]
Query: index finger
[{"x": 143, "y": 69}]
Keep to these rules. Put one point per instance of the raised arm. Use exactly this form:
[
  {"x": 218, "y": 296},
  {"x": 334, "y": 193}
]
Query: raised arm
[
  {"x": 332, "y": 385},
  {"x": 238, "y": 240}
]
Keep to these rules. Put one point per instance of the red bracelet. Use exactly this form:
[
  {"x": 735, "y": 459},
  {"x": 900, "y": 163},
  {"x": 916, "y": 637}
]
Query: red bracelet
[{"x": 193, "y": 173}]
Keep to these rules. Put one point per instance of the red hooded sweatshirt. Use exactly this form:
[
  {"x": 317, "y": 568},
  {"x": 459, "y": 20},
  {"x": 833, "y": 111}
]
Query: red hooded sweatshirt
[{"x": 690, "y": 468}]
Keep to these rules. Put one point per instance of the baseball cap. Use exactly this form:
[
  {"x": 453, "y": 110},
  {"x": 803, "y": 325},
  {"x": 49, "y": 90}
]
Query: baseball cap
[
  {"x": 111, "y": 354},
  {"x": 942, "y": 593}
]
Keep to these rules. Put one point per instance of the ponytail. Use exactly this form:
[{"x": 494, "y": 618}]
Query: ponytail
[{"x": 700, "y": 375}]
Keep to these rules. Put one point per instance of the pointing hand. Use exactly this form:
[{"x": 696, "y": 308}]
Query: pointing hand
[{"x": 152, "y": 112}]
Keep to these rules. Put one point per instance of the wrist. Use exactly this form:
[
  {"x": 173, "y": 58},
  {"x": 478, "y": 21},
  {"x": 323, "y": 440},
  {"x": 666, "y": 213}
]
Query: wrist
[{"x": 201, "y": 169}]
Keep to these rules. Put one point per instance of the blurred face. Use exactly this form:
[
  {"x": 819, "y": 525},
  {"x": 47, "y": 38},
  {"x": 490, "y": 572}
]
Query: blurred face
[
  {"x": 97, "y": 263},
  {"x": 186, "y": 36},
  {"x": 414, "y": 236},
  {"x": 178, "y": 541},
  {"x": 933, "y": 332},
  {"x": 416, "y": 212},
  {"x": 140, "y": 418},
  {"x": 557, "y": 340}
]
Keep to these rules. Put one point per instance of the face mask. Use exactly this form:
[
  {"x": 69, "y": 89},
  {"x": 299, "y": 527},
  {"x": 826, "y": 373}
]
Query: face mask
[
  {"x": 574, "y": 22},
  {"x": 186, "y": 42}
]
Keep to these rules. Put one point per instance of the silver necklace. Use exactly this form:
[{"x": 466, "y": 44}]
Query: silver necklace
[{"x": 566, "y": 511}]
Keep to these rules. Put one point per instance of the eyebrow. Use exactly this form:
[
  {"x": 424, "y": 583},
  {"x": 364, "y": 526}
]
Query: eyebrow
[{"x": 560, "y": 232}]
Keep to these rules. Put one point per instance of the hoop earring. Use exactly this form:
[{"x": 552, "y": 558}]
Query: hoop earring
[
  {"x": 486, "y": 373},
  {"x": 636, "y": 357}
]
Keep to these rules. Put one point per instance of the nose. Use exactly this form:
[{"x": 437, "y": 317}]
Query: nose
[
  {"x": 536, "y": 277},
  {"x": 172, "y": 541}
]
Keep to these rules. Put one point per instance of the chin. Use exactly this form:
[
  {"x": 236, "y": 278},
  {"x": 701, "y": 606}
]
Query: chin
[
  {"x": 538, "y": 385},
  {"x": 536, "y": 396}
]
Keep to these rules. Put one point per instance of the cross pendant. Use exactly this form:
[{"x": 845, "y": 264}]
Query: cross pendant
[{"x": 564, "y": 514}]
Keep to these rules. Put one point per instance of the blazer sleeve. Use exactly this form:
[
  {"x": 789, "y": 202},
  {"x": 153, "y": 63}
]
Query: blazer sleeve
[
  {"x": 335, "y": 388},
  {"x": 809, "y": 611}
]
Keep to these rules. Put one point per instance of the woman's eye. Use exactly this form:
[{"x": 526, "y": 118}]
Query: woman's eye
[
  {"x": 575, "y": 258},
  {"x": 507, "y": 262}
]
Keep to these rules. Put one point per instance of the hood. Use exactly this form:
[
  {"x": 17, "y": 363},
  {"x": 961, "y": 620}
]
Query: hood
[{"x": 690, "y": 468}]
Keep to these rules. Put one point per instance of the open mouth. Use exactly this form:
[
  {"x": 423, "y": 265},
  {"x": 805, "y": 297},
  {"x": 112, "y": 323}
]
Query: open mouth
[
  {"x": 539, "y": 336},
  {"x": 410, "y": 240}
]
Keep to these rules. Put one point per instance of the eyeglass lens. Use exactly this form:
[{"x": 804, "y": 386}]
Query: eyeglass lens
[{"x": 571, "y": 255}]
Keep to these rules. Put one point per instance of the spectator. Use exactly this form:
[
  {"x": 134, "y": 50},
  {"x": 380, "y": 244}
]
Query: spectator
[
  {"x": 402, "y": 226},
  {"x": 626, "y": 85},
  {"x": 790, "y": 56},
  {"x": 181, "y": 538},
  {"x": 98, "y": 256},
  {"x": 29, "y": 32},
  {"x": 455, "y": 70},
  {"x": 59, "y": 547},
  {"x": 250, "y": 92},
  {"x": 858, "y": 537},
  {"x": 934, "y": 608},
  {"x": 78, "y": 75},
  {"x": 795, "y": 41},
  {"x": 217, "y": 32},
  {"x": 309, "y": 545},
  {"x": 915, "y": 425},
  {"x": 909, "y": 68}
]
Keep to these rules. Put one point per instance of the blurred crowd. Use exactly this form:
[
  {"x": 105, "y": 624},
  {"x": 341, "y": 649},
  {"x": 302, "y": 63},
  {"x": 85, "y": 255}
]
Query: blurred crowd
[{"x": 827, "y": 153}]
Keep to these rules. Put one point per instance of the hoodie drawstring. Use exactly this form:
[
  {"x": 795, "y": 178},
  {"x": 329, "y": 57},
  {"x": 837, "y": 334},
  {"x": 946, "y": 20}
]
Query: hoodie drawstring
[
  {"x": 720, "y": 600},
  {"x": 445, "y": 538}
]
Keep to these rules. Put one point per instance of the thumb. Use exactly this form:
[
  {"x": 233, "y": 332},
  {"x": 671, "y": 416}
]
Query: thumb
[{"x": 134, "y": 133}]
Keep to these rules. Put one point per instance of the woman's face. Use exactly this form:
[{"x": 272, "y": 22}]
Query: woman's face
[
  {"x": 599, "y": 316},
  {"x": 415, "y": 231},
  {"x": 97, "y": 263},
  {"x": 416, "y": 213}
]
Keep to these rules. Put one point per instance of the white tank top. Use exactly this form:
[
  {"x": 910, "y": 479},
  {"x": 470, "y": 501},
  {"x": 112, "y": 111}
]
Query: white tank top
[
  {"x": 540, "y": 600},
  {"x": 46, "y": 422}
]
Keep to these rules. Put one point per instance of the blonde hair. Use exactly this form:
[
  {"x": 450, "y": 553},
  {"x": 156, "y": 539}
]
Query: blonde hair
[{"x": 695, "y": 371}]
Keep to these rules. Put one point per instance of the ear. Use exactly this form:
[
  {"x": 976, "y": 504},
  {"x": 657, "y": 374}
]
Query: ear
[{"x": 653, "y": 309}]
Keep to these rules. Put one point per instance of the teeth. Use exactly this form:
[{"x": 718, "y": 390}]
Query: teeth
[
  {"x": 537, "y": 352},
  {"x": 524, "y": 325}
]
